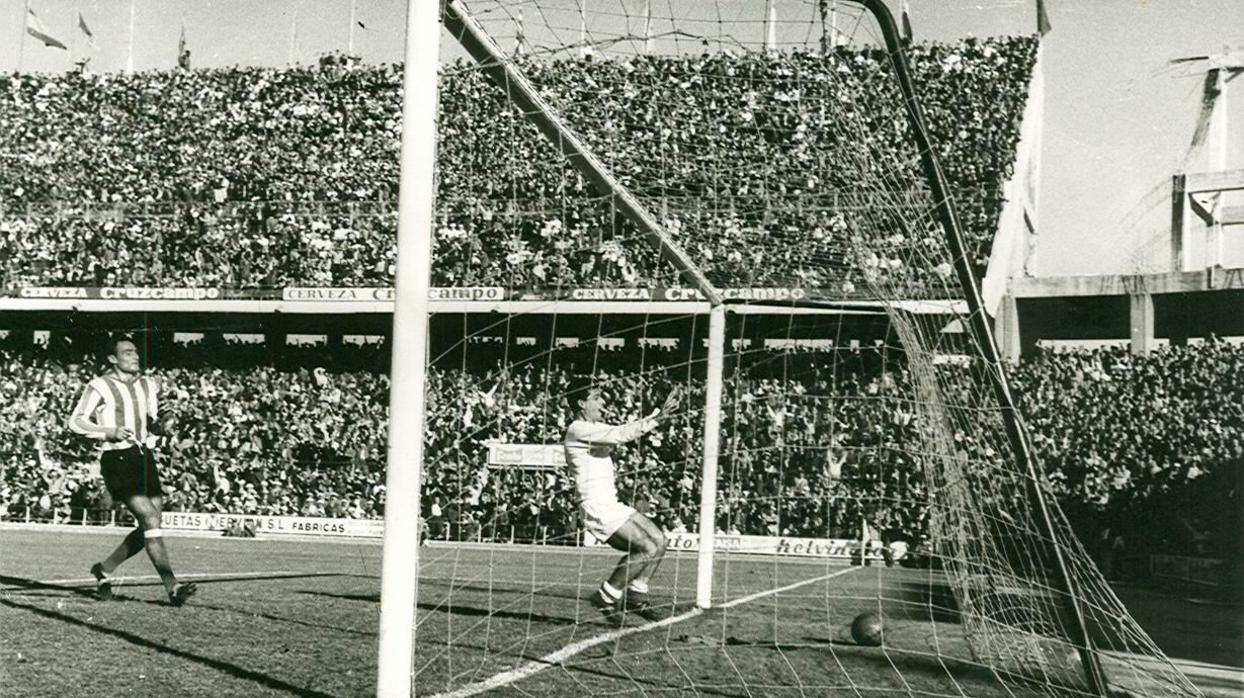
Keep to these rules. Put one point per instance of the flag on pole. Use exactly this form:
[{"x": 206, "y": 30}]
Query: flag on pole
[
  {"x": 520, "y": 38},
  {"x": 90, "y": 36},
  {"x": 906, "y": 19},
  {"x": 584, "y": 49},
  {"x": 183, "y": 53},
  {"x": 1043, "y": 19},
  {"x": 35, "y": 28}
]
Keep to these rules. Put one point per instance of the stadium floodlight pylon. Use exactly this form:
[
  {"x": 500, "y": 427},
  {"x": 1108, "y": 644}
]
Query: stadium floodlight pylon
[{"x": 1031, "y": 608}]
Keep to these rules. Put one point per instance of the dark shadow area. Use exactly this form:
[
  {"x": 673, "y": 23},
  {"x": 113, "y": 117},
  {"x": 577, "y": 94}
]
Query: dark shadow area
[
  {"x": 24, "y": 584},
  {"x": 1185, "y": 629},
  {"x": 926, "y": 602},
  {"x": 458, "y": 610},
  {"x": 369, "y": 598},
  {"x": 217, "y": 664},
  {"x": 909, "y": 663},
  {"x": 88, "y": 588},
  {"x": 282, "y": 619},
  {"x": 525, "y": 590}
]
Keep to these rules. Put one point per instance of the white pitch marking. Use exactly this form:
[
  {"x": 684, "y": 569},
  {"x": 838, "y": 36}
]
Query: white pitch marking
[
  {"x": 205, "y": 576},
  {"x": 506, "y": 678}
]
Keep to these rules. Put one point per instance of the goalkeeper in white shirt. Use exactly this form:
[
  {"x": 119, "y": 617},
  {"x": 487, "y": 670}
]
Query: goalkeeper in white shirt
[{"x": 589, "y": 444}]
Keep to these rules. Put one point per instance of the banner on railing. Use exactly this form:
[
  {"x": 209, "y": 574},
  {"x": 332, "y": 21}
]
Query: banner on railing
[
  {"x": 384, "y": 294},
  {"x": 138, "y": 293},
  {"x": 281, "y": 525},
  {"x": 786, "y": 546},
  {"x": 526, "y": 456}
]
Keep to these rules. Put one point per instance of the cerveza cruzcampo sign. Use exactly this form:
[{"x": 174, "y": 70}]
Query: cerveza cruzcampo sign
[
  {"x": 122, "y": 293},
  {"x": 385, "y": 294}
]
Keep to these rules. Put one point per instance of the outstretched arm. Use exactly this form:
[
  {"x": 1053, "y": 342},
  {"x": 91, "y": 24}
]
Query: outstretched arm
[{"x": 605, "y": 434}]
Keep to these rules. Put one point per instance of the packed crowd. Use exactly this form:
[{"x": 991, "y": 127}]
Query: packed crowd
[
  {"x": 812, "y": 442},
  {"x": 252, "y": 439},
  {"x": 774, "y": 169}
]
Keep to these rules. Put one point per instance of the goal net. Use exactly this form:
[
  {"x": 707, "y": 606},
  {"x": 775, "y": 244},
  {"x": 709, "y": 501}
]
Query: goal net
[{"x": 607, "y": 172}]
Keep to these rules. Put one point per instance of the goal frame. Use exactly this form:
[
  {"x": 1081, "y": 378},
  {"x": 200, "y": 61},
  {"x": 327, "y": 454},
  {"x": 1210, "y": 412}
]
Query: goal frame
[{"x": 399, "y": 574}]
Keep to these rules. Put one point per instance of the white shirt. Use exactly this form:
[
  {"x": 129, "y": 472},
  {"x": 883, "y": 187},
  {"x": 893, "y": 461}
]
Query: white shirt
[{"x": 589, "y": 448}]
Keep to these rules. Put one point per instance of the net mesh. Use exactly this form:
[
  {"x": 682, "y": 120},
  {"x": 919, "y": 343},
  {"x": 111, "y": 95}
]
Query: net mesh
[{"x": 863, "y": 421}]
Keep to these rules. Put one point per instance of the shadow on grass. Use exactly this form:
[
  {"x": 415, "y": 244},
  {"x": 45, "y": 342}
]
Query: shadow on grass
[
  {"x": 139, "y": 641},
  {"x": 916, "y": 668},
  {"x": 88, "y": 589},
  {"x": 198, "y": 603},
  {"x": 498, "y": 588},
  {"x": 24, "y": 584},
  {"x": 460, "y": 610}
]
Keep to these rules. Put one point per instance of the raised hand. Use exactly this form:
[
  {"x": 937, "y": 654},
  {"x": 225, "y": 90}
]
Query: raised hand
[{"x": 671, "y": 401}]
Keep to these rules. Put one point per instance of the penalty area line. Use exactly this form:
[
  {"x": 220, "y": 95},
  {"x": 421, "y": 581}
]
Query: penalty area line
[{"x": 535, "y": 666}]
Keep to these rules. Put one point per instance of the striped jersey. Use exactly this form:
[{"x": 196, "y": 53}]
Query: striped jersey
[{"x": 108, "y": 402}]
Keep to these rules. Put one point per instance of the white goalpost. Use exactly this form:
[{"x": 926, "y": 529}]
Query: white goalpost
[
  {"x": 399, "y": 578},
  {"x": 712, "y": 439}
]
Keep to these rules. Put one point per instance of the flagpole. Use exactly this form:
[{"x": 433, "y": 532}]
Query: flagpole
[
  {"x": 73, "y": 33},
  {"x": 129, "y": 53},
  {"x": 582, "y": 27},
  {"x": 770, "y": 28},
  {"x": 648, "y": 26},
  {"x": 353, "y": 10},
  {"x": 21, "y": 42},
  {"x": 833, "y": 23},
  {"x": 520, "y": 36},
  {"x": 293, "y": 30}
]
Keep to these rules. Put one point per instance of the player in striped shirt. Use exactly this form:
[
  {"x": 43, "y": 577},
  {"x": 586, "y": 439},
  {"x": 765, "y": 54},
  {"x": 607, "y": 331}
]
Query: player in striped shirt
[
  {"x": 589, "y": 445},
  {"x": 121, "y": 410}
]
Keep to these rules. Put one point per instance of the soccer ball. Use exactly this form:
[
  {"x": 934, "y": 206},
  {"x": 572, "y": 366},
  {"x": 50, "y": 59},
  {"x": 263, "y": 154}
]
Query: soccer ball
[{"x": 866, "y": 629}]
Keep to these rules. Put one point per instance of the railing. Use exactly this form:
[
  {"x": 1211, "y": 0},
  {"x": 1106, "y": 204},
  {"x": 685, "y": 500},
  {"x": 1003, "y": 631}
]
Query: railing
[{"x": 438, "y": 528}]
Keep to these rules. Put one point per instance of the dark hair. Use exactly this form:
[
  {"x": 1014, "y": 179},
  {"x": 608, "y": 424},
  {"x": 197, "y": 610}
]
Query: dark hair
[
  {"x": 110, "y": 345},
  {"x": 580, "y": 386}
]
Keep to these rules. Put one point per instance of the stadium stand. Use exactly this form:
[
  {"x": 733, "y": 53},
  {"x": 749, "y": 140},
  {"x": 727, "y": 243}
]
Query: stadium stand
[
  {"x": 1124, "y": 439},
  {"x": 111, "y": 180}
]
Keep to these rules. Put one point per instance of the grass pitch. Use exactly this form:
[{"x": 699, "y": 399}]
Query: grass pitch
[{"x": 284, "y": 617}]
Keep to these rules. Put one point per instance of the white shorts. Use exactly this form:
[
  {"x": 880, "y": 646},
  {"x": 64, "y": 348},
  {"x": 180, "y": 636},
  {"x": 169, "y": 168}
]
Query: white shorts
[{"x": 603, "y": 518}]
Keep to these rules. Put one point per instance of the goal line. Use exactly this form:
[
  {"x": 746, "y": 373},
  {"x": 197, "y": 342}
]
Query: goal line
[{"x": 552, "y": 659}]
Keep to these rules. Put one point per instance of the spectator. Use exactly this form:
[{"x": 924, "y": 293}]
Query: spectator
[{"x": 742, "y": 156}]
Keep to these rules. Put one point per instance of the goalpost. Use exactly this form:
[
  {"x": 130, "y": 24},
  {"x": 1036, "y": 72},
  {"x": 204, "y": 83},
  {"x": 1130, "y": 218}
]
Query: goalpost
[
  {"x": 1026, "y": 595},
  {"x": 399, "y": 580}
]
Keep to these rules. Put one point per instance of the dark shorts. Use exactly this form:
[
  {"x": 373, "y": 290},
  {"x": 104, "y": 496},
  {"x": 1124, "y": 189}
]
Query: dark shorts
[{"x": 130, "y": 472}]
